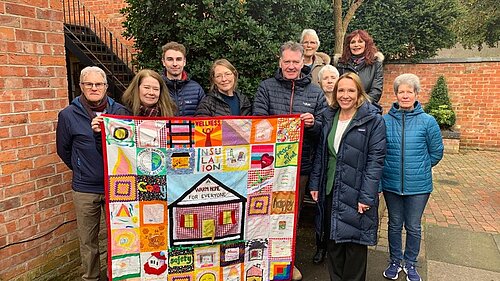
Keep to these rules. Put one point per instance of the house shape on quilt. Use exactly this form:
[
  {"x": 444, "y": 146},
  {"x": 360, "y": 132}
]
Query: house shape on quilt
[{"x": 208, "y": 212}]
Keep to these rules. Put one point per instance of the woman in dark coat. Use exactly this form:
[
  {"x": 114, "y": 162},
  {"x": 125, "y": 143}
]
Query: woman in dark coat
[
  {"x": 345, "y": 178},
  {"x": 223, "y": 99},
  {"x": 360, "y": 55}
]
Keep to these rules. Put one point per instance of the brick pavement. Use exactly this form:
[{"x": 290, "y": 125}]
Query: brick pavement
[{"x": 466, "y": 192}]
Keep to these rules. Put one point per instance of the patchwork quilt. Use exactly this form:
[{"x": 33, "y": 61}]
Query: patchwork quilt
[{"x": 201, "y": 199}]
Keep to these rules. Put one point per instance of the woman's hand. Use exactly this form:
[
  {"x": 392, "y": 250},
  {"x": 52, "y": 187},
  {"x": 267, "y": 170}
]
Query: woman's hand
[
  {"x": 96, "y": 124},
  {"x": 362, "y": 208},
  {"x": 314, "y": 195}
]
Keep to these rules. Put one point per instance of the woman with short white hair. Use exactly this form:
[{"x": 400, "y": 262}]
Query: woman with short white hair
[{"x": 312, "y": 58}]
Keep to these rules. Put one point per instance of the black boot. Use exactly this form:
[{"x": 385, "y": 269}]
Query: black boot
[{"x": 319, "y": 257}]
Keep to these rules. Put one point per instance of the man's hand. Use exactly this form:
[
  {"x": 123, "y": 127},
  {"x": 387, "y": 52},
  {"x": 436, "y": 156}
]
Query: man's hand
[
  {"x": 308, "y": 119},
  {"x": 96, "y": 124},
  {"x": 314, "y": 195}
]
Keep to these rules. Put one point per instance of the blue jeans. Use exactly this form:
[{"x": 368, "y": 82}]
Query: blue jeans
[{"x": 405, "y": 210}]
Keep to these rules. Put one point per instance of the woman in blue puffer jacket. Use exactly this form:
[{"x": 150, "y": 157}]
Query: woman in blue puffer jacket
[
  {"x": 345, "y": 178},
  {"x": 414, "y": 146}
]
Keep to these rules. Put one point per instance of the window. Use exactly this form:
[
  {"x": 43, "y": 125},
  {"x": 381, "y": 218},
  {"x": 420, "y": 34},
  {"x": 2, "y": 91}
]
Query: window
[
  {"x": 227, "y": 217},
  {"x": 189, "y": 221}
]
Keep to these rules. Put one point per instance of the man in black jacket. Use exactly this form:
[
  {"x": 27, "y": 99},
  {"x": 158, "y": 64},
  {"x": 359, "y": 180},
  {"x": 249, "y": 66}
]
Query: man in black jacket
[
  {"x": 186, "y": 93},
  {"x": 290, "y": 91}
]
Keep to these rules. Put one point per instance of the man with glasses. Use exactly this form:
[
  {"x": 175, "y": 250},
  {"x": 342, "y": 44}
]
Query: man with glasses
[
  {"x": 79, "y": 148},
  {"x": 186, "y": 93},
  {"x": 290, "y": 91}
]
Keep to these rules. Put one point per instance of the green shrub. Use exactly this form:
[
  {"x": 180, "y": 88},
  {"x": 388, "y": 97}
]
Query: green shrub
[{"x": 439, "y": 105}]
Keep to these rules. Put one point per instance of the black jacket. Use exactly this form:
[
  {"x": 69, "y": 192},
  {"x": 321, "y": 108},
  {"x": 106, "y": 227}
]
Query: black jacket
[
  {"x": 214, "y": 105},
  {"x": 278, "y": 96},
  {"x": 77, "y": 145},
  {"x": 360, "y": 161},
  {"x": 372, "y": 76}
]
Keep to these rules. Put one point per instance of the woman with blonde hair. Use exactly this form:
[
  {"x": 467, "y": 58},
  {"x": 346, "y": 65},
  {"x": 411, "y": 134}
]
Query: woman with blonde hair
[{"x": 345, "y": 178}]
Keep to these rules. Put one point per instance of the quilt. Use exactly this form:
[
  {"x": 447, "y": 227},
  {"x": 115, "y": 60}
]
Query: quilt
[{"x": 199, "y": 199}]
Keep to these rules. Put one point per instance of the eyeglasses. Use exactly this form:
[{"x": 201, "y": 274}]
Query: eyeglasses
[
  {"x": 88, "y": 85},
  {"x": 222, "y": 75}
]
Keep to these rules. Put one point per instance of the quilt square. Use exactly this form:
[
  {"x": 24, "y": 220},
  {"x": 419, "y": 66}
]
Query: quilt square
[
  {"x": 120, "y": 132},
  {"x": 232, "y": 272},
  {"x": 208, "y": 133},
  {"x": 153, "y": 238},
  {"x": 152, "y": 188},
  {"x": 154, "y": 265},
  {"x": 260, "y": 181},
  {"x": 283, "y": 202},
  {"x": 259, "y": 204},
  {"x": 255, "y": 271},
  {"x": 153, "y": 213},
  {"x": 287, "y": 154},
  {"x": 288, "y": 130},
  {"x": 285, "y": 179},
  {"x": 256, "y": 250},
  {"x": 122, "y": 188},
  {"x": 262, "y": 156},
  {"x": 282, "y": 226},
  {"x": 209, "y": 274},
  {"x": 180, "y": 161},
  {"x": 257, "y": 227},
  {"x": 264, "y": 130},
  {"x": 280, "y": 270},
  {"x": 236, "y": 158},
  {"x": 121, "y": 160},
  {"x": 280, "y": 248},
  {"x": 180, "y": 133},
  {"x": 232, "y": 253},
  {"x": 207, "y": 257},
  {"x": 124, "y": 215},
  {"x": 124, "y": 241},
  {"x": 180, "y": 260},
  {"x": 209, "y": 159},
  {"x": 125, "y": 266},
  {"x": 236, "y": 131},
  {"x": 151, "y": 133},
  {"x": 151, "y": 161}
]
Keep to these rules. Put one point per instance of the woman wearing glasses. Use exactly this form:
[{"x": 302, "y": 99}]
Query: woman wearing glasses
[
  {"x": 77, "y": 147},
  {"x": 223, "y": 99}
]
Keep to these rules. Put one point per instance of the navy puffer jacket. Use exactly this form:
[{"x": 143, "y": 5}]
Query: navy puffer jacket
[
  {"x": 360, "y": 161},
  {"x": 186, "y": 94},
  {"x": 77, "y": 145},
  {"x": 414, "y": 146},
  {"x": 278, "y": 96}
]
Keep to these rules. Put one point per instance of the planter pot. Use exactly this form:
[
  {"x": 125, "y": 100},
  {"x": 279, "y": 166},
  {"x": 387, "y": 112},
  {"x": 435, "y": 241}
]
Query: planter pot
[{"x": 451, "y": 141}]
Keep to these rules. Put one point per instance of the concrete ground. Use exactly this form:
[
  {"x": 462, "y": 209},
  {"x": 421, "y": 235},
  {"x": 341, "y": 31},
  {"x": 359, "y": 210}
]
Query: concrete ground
[{"x": 461, "y": 225}]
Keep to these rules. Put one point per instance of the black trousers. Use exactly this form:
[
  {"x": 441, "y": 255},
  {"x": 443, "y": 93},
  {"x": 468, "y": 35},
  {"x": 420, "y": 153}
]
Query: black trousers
[{"x": 346, "y": 261}]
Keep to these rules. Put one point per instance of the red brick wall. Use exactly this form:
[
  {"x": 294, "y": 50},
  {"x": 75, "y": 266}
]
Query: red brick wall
[
  {"x": 108, "y": 13},
  {"x": 37, "y": 237},
  {"x": 474, "y": 90}
]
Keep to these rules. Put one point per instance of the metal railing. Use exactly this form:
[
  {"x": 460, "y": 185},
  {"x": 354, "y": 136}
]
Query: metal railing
[{"x": 78, "y": 16}]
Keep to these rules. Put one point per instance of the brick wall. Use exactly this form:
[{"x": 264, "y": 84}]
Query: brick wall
[
  {"x": 37, "y": 238},
  {"x": 474, "y": 90},
  {"x": 108, "y": 13}
]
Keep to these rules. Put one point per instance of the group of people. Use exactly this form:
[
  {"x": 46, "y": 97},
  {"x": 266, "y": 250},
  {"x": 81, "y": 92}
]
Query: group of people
[{"x": 350, "y": 151}]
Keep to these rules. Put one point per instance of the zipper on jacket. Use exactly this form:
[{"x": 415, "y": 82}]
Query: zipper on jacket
[
  {"x": 403, "y": 153},
  {"x": 291, "y": 98}
]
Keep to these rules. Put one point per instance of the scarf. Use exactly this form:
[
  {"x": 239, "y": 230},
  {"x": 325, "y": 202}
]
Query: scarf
[
  {"x": 357, "y": 60},
  {"x": 154, "y": 111},
  {"x": 90, "y": 108}
]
